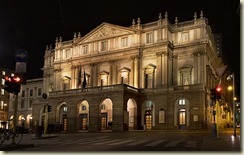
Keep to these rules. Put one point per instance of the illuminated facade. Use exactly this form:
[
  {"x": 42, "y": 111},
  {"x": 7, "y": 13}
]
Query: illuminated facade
[
  {"x": 4, "y": 97},
  {"x": 30, "y": 93},
  {"x": 155, "y": 76}
]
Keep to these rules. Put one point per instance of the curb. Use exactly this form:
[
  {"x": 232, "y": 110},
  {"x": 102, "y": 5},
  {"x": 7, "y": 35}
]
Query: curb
[{"x": 12, "y": 147}]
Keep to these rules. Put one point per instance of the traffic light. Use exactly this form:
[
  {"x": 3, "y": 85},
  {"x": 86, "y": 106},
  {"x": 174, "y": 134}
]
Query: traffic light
[
  {"x": 8, "y": 84},
  {"x": 12, "y": 84},
  {"x": 218, "y": 92},
  {"x": 49, "y": 108},
  {"x": 212, "y": 94}
]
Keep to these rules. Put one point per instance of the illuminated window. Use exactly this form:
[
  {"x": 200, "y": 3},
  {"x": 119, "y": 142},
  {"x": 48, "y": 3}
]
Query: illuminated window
[
  {"x": 85, "y": 49},
  {"x": 2, "y": 91},
  {"x": 124, "y": 42},
  {"x": 149, "y": 37},
  {"x": 67, "y": 53},
  {"x": 103, "y": 45},
  {"x": 195, "y": 118},
  {"x": 65, "y": 109},
  {"x": 3, "y": 81},
  {"x": 149, "y": 104},
  {"x": 1, "y": 106},
  {"x": 83, "y": 108},
  {"x": 182, "y": 102},
  {"x": 3, "y": 73},
  {"x": 103, "y": 107},
  {"x": 161, "y": 116},
  {"x": 182, "y": 117},
  {"x": 185, "y": 37}
]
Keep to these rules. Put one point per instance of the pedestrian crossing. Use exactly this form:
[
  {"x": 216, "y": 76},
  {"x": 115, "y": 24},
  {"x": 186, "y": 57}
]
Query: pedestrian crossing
[{"x": 108, "y": 141}]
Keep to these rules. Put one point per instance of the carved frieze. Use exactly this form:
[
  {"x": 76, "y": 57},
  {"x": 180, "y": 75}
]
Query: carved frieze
[{"x": 106, "y": 32}]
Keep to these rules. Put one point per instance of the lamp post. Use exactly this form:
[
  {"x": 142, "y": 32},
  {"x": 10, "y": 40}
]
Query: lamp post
[{"x": 233, "y": 101}]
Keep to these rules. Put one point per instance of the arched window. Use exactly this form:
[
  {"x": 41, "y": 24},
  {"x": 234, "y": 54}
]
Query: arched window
[
  {"x": 103, "y": 107},
  {"x": 182, "y": 102},
  {"x": 83, "y": 108}
]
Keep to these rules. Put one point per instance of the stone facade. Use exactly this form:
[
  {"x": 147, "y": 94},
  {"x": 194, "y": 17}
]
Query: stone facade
[
  {"x": 30, "y": 93},
  {"x": 155, "y": 75}
]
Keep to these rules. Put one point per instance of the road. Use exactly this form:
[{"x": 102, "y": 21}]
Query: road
[{"x": 127, "y": 141}]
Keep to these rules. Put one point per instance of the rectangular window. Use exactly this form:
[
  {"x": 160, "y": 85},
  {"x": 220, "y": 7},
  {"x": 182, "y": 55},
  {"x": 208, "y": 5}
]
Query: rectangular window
[
  {"x": 1, "y": 116},
  {"x": 1, "y": 105},
  {"x": 161, "y": 116},
  {"x": 185, "y": 37},
  {"x": 67, "y": 53},
  {"x": 22, "y": 104},
  {"x": 182, "y": 102},
  {"x": 30, "y": 103},
  {"x": 39, "y": 91},
  {"x": 149, "y": 37},
  {"x": 3, "y": 81},
  {"x": 195, "y": 118},
  {"x": 85, "y": 49},
  {"x": 124, "y": 42},
  {"x": 112, "y": 42},
  {"x": 23, "y": 93},
  {"x": 31, "y": 92},
  {"x": 103, "y": 45},
  {"x": 2, "y": 91},
  {"x": 3, "y": 73}
]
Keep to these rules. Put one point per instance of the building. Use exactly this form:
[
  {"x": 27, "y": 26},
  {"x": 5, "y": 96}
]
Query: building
[
  {"x": 156, "y": 75},
  {"x": 30, "y": 93},
  {"x": 4, "y": 97}
]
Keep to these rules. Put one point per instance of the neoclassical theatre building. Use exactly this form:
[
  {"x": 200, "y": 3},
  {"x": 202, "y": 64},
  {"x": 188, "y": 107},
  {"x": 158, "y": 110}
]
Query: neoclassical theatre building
[{"x": 152, "y": 76}]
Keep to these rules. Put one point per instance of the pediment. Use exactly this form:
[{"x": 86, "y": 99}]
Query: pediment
[{"x": 104, "y": 31}]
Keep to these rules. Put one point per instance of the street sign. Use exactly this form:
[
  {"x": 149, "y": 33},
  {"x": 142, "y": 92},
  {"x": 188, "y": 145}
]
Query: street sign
[
  {"x": 20, "y": 67},
  {"x": 21, "y": 55}
]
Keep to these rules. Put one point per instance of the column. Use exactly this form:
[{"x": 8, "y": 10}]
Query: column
[
  {"x": 195, "y": 69},
  {"x": 159, "y": 69},
  {"x": 139, "y": 85}
]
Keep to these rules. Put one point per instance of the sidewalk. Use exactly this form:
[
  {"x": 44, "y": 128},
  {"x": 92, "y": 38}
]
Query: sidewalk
[
  {"x": 222, "y": 143},
  {"x": 11, "y": 147}
]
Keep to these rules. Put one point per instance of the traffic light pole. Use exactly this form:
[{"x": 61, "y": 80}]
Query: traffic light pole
[
  {"x": 46, "y": 118},
  {"x": 234, "y": 106},
  {"x": 15, "y": 117}
]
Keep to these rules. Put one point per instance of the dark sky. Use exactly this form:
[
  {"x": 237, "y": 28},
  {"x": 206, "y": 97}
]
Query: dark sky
[{"x": 33, "y": 24}]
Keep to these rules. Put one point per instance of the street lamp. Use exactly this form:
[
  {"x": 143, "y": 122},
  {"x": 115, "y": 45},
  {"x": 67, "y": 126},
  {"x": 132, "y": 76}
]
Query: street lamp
[{"x": 233, "y": 100}]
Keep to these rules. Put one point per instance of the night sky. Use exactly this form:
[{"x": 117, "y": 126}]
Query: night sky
[{"x": 33, "y": 24}]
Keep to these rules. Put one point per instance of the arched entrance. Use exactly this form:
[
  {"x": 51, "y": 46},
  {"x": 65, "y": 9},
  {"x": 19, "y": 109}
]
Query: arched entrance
[
  {"x": 132, "y": 114},
  {"x": 148, "y": 115},
  {"x": 181, "y": 113},
  {"x": 62, "y": 123},
  {"x": 106, "y": 114},
  {"x": 83, "y": 118}
]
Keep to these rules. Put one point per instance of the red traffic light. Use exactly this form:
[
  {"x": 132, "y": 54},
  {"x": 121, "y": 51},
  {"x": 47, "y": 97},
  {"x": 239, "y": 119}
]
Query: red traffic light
[
  {"x": 7, "y": 78},
  {"x": 218, "y": 89}
]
